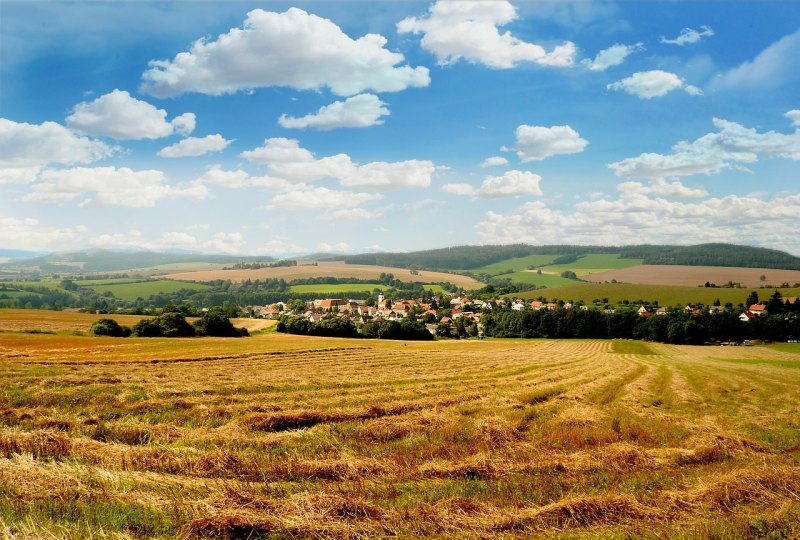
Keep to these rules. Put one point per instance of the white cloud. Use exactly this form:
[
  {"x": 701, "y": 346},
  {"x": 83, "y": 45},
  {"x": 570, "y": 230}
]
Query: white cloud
[
  {"x": 25, "y": 148},
  {"x": 121, "y": 116},
  {"x": 337, "y": 247},
  {"x": 655, "y": 83},
  {"x": 226, "y": 243},
  {"x": 350, "y": 214},
  {"x": 727, "y": 148},
  {"x": 494, "y": 161},
  {"x": 510, "y": 184},
  {"x": 28, "y": 233},
  {"x": 634, "y": 216},
  {"x": 613, "y": 56},
  {"x": 195, "y": 146},
  {"x": 231, "y": 179},
  {"x": 535, "y": 143},
  {"x": 284, "y": 158},
  {"x": 774, "y": 66},
  {"x": 794, "y": 116},
  {"x": 279, "y": 246},
  {"x": 108, "y": 186},
  {"x": 453, "y": 30},
  {"x": 131, "y": 239},
  {"x": 293, "y": 49},
  {"x": 363, "y": 110},
  {"x": 689, "y": 35},
  {"x": 661, "y": 187},
  {"x": 320, "y": 197},
  {"x": 177, "y": 239}
]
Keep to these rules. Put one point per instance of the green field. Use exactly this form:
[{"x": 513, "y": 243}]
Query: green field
[
  {"x": 516, "y": 264},
  {"x": 336, "y": 288},
  {"x": 595, "y": 262},
  {"x": 540, "y": 280},
  {"x": 92, "y": 282},
  {"x": 130, "y": 291},
  {"x": 664, "y": 294}
]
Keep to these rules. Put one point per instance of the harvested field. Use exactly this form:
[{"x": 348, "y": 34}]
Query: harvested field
[
  {"x": 34, "y": 320},
  {"x": 281, "y": 436},
  {"x": 328, "y": 269},
  {"x": 693, "y": 276}
]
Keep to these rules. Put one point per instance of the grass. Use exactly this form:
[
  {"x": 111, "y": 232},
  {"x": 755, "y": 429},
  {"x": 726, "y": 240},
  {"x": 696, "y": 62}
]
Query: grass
[
  {"x": 540, "y": 280},
  {"x": 337, "y": 288},
  {"x": 516, "y": 264},
  {"x": 131, "y": 290},
  {"x": 286, "y": 436},
  {"x": 665, "y": 295},
  {"x": 595, "y": 262}
]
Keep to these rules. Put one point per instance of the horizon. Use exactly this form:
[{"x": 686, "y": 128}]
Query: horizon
[{"x": 275, "y": 129}]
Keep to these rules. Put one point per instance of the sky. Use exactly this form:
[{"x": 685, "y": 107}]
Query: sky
[{"x": 271, "y": 128}]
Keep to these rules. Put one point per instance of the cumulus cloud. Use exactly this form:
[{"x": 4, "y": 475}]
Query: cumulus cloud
[
  {"x": 635, "y": 215},
  {"x": 774, "y": 66},
  {"x": 350, "y": 214},
  {"x": 28, "y": 233},
  {"x": 121, "y": 116},
  {"x": 108, "y": 186},
  {"x": 286, "y": 159},
  {"x": 195, "y": 146},
  {"x": 729, "y": 147},
  {"x": 335, "y": 247},
  {"x": 494, "y": 161},
  {"x": 226, "y": 243},
  {"x": 689, "y": 35},
  {"x": 655, "y": 83},
  {"x": 662, "y": 187},
  {"x": 363, "y": 110},
  {"x": 455, "y": 30},
  {"x": 510, "y": 184},
  {"x": 279, "y": 245},
  {"x": 292, "y": 49},
  {"x": 219, "y": 243},
  {"x": 26, "y": 148},
  {"x": 217, "y": 176},
  {"x": 535, "y": 143},
  {"x": 613, "y": 56},
  {"x": 320, "y": 197},
  {"x": 794, "y": 116}
]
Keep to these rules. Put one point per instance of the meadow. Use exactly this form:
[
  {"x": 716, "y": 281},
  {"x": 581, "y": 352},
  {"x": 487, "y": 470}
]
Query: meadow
[
  {"x": 280, "y": 436},
  {"x": 130, "y": 290},
  {"x": 339, "y": 288}
]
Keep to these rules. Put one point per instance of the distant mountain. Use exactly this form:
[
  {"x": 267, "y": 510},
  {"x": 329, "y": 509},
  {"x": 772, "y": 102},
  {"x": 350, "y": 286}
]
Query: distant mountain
[
  {"x": 462, "y": 258},
  {"x": 115, "y": 261},
  {"x": 19, "y": 254}
]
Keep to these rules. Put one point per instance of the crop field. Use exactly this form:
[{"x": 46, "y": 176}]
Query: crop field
[
  {"x": 329, "y": 269},
  {"x": 540, "y": 280},
  {"x": 692, "y": 276},
  {"x": 594, "y": 263},
  {"x": 131, "y": 290},
  {"x": 666, "y": 295},
  {"x": 43, "y": 321},
  {"x": 337, "y": 288},
  {"x": 285, "y": 436}
]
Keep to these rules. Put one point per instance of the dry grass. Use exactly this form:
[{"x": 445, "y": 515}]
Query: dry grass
[
  {"x": 328, "y": 269},
  {"x": 284, "y": 436},
  {"x": 692, "y": 276}
]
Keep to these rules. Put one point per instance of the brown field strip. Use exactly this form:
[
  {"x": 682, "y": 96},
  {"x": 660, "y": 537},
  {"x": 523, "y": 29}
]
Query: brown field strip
[
  {"x": 327, "y": 269},
  {"x": 280, "y": 436},
  {"x": 693, "y": 276}
]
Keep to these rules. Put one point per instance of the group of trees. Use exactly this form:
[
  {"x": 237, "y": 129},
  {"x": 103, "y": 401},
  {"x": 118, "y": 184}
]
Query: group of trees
[
  {"x": 172, "y": 323},
  {"x": 405, "y": 329},
  {"x": 677, "y": 326}
]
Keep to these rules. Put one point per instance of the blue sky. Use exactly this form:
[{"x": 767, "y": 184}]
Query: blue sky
[{"x": 276, "y": 128}]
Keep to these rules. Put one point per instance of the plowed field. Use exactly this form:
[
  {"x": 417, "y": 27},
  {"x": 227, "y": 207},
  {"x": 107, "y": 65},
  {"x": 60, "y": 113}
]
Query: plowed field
[{"x": 693, "y": 276}]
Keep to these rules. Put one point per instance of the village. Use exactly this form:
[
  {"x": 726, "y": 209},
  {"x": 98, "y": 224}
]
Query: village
[{"x": 449, "y": 315}]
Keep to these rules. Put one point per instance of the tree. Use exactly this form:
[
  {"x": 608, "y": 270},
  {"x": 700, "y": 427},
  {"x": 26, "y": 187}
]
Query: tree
[
  {"x": 109, "y": 327},
  {"x": 216, "y": 323},
  {"x": 752, "y": 298}
]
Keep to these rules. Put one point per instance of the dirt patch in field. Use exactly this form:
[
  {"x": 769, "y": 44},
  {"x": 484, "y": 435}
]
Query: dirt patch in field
[
  {"x": 692, "y": 276},
  {"x": 328, "y": 269}
]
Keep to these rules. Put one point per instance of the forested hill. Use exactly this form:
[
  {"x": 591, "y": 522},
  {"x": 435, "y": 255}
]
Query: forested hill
[
  {"x": 713, "y": 255},
  {"x": 468, "y": 257}
]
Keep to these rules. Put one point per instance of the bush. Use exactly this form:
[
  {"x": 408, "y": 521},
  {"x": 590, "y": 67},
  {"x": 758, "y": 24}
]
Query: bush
[
  {"x": 110, "y": 327},
  {"x": 147, "y": 328},
  {"x": 216, "y": 323}
]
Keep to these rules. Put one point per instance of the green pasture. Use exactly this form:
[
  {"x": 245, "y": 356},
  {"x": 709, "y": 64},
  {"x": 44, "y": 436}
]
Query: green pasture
[
  {"x": 665, "y": 295},
  {"x": 516, "y": 264},
  {"x": 540, "y": 280},
  {"x": 595, "y": 262}
]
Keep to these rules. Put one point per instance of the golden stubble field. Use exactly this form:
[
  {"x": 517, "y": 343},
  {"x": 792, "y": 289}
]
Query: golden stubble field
[
  {"x": 327, "y": 269},
  {"x": 280, "y": 436},
  {"x": 693, "y": 276}
]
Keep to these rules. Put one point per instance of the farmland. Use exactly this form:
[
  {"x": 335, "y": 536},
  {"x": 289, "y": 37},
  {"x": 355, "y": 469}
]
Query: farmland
[
  {"x": 666, "y": 295},
  {"x": 129, "y": 290},
  {"x": 328, "y": 269},
  {"x": 340, "y": 288},
  {"x": 693, "y": 276},
  {"x": 288, "y": 436}
]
